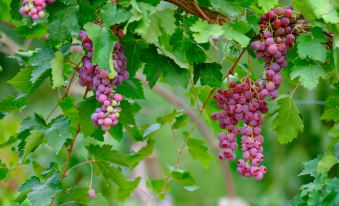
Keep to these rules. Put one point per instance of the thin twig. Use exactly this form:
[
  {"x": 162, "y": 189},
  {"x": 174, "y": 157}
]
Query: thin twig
[
  {"x": 70, "y": 150},
  {"x": 295, "y": 88}
]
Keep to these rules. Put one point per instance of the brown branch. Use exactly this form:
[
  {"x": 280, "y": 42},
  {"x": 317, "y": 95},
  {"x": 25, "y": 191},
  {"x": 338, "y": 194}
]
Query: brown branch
[
  {"x": 190, "y": 6},
  {"x": 200, "y": 126}
]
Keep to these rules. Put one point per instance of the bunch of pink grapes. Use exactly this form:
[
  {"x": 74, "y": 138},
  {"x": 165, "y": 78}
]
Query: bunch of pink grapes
[
  {"x": 244, "y": 103},
  {"x": 34, "y": 8},
  {"x": 103, "y": 83},
  {"x": 275, "y": 39}
]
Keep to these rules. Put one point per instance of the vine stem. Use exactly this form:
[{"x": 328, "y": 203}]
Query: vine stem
[
  {"x": 202, "y": 128},
  {"x": 70, "y": 150},
  {"x": 230, "y": 71},
  {"x": 295, "y": 88}
]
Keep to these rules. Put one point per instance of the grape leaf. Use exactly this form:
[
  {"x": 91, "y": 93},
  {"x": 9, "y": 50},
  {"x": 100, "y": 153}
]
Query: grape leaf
[
  {"x": 232, "y": 33},
  {"x": 267, "y": 5},
  {"x": 70, "y": 110},
  {"x": 116, "y": 132},
  {"x": 35, "y": 122},
  {"x": 160, "y": 66},
  {"x": 86, "y": 109},
  {"x": 105, "y": 153},
  {"x": 64, "y": 24},
  {"x": 57, "y": 65},
  {"x": 32, "y": 31},
  {"x": 41, "y": 193},
  {"x": 58, "y": 132},
  {"x": 326, "y": 163},
  {"x": 199, "y": 151},
  {"x": 180, "y": 121},
  {"x": 130, "y": 109},
  {"x": 134, "y": 53},
  {"x": 193, "y": 52},
  {"x": 318, "y": 8},
  {"x": 41, "y": 60},
  {"x": 158, "y": 186},
  {"x": 287, "y": 123},
  {"x": 103, "y": 44},
  {"x": 111, "y": 173},
  {"x": 22, "y": 80},
  {"x": 111, "y": 15},
  {"x": 209, "y": 74},
  {"x": 202, "y": 31},
  {"x": 136, "y": 157},
  {"x": 334, "y": 134},
  {"x": 185, "y": 179},
  {"x": 32, "y": 142},
  {"x": 310, "y": 167},
  {"x": 308, "y": 74},
  {"x": 155, "y": 22},
  {"x": 9, "y": 104},
  {"x": 307, "y": 45},
  {"x": 131, "y": 88},
  {"x": 331, "y": 112}
]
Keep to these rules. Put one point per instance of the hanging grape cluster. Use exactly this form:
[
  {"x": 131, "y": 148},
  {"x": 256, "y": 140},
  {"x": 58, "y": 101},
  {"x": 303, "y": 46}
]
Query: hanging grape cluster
[
  {"x": 275, "y": 39},
  {"x": 103, "y": 83},
  {"x": 34, "y": 8},
  {"x": 243, "y": 104}
]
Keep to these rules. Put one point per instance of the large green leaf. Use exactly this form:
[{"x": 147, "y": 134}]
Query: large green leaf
[
  {"x": 131, "y": 88},
  {"x": 41, "y": 193},
  {"x": 41, "y": 60},
  {"x": 202, "y": 31},
  {"x": 307, "y": 45},
  {"x": 326, "y": 163},
  {"x": 332, "y": 108},
  {"x": 111, "y": 15},
  {"x": 209, "y": 74},
  {"x": 199, "y": 151},
  {"x": 9, "y": 104},
  {"x": 58, "y": 132},
  {"x": 64, "y": 24},
  {"x": 103, "y": 44},
  {"x": 106, "y": 154},
  {"x": 287, "y": 122},
  {"x": 308, "y": 74}
]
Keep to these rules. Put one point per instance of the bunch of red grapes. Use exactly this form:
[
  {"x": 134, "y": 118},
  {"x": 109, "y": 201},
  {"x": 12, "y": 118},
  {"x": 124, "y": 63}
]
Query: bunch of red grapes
[
  {"x": 243, "y": 104},
  {"x": 103, "y": 83},
  {"x": 34, "y": 8}
]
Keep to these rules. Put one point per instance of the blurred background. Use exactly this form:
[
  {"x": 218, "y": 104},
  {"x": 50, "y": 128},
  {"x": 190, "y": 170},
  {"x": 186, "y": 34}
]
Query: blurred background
[{"x": 284, "y": 162}]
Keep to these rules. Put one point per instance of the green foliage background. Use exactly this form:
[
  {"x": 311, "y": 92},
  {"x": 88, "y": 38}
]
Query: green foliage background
[{"x": 174, "y": 50}]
